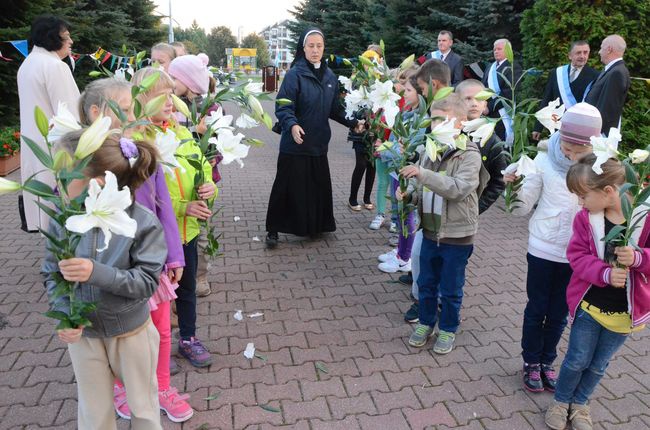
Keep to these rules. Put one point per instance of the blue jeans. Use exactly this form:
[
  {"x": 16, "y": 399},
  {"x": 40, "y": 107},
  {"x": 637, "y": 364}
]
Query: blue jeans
[
  {"x": 442, "y": 269},
  {"x": 591, "y": 346},
  {"x": 546, "y": 312},
  {"x": 186, "y": 292}
]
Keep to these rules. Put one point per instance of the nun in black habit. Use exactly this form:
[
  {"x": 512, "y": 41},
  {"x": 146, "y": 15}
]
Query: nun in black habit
[{"x": 301, "y": 197}]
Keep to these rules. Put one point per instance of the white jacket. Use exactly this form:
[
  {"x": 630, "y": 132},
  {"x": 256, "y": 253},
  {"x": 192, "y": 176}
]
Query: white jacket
[{"x": 550, "y": 226}]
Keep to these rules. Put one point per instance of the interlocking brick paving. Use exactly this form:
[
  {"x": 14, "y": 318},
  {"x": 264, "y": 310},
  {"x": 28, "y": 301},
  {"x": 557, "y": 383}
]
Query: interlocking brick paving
[{"x": 332, "y": 332}]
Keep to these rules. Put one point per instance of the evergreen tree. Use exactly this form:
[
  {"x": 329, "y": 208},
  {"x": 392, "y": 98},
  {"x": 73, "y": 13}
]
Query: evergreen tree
[
  {"x": 219, "y": 39},
  {"x": 345, "y": 27},
  {"x": 255, "y": 41},
  {"x": 550, "y": 26},
  {"x": 309, "y": 13},
  {"x": 194, "y": 37},
  {"x": 392, "y": 26}
]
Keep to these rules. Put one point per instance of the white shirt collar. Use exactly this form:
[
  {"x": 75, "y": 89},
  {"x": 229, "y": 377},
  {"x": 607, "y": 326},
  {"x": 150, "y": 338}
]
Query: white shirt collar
[
  {"x": 611, "y": 63},
  {"x": 499, "y": 63}
]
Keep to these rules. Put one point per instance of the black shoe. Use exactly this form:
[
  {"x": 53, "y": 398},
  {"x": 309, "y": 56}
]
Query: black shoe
[
  {"x": 413, "y": 314},
  {"x": 406, "y": 279},
  {"x": 271, "y": 240},
  {"x": 549, "y": 378},
  {"x": 533, "y": 378}
]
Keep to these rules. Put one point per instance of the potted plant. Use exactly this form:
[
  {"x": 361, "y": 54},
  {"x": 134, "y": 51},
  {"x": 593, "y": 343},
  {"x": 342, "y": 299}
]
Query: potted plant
[{"x": 9, "y": 150}]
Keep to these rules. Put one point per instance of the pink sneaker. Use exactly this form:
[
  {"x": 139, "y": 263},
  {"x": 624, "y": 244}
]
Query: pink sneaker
[
  {"x": 119, "y": 402},
  {"x": 175, "y": 405}
]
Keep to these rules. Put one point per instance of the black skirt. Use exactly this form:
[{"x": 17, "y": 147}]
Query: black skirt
[{"x": 301, "y": 197}]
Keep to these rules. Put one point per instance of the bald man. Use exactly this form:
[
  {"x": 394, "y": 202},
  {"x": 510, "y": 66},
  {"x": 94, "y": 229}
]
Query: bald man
[{"x": 609, "y": 91}]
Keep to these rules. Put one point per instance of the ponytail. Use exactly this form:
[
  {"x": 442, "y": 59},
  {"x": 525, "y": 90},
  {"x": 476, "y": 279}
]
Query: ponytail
[{"x": 212, "y": 85}]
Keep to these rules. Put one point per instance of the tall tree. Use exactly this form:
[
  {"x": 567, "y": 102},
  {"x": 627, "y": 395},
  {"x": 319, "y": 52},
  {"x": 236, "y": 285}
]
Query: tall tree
[
  {"x": 309, "y": 13},
  {"x": 195, "y": 35},
  {"x": 392, "y": 26},
  {"x": 219, "y": 39},
  {"x": 345, "y": 27},
  {"x": 257, "y": 42}
]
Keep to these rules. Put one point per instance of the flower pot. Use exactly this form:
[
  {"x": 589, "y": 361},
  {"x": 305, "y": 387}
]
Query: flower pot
[{"x": 9, "y": 163}]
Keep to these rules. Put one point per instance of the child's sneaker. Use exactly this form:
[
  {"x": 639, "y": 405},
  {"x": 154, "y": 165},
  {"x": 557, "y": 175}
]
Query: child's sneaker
[
  {"x": 195, "y": 352},
  {"x": 393, "y": 227},
  {"x": 549, "y": 378},
  {"x": 395, "y": 265},
  {"x": 533, "y": 378},
  {"x": 413, "y": 314},
  {"x": 445, "y": 342},
  {"x": 175, "y": 405},
  {"x": 556, "y": 415},
  {"x": 376, "y": 223},
  {"x": 420, "y": 335},
  {"x": 387, "y": 256},
  {"x": 119, "y": 402},
  {"x": 580, "y": 417}
]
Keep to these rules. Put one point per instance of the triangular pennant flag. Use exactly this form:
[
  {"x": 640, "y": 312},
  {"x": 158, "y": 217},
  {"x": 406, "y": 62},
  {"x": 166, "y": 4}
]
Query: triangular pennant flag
[
  {"x": 113, "y": 62},
  {"x": 21, "y": 46},
  {"x": 108, "y": 55}
]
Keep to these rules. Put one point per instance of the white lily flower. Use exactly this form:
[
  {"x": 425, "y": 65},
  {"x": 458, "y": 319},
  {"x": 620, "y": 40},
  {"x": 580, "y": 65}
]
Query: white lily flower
[
  {"x": 639, "y": 156},
  {"x": 550, "y": 116},
  {"x": 605, "y": 148},
  {"x": 383, "y": 97},
  {"x": 7, "y": 186},
  {"x": 122, "y": 72},
  {"x": 167, "y": 144},
  {"x": 346, "y": 82},
  {"x": 105, "y": 209},
  {"x": 230, "y": 146},
  {"x": 356, "y": 100},
  {"x": 93, "y": 137},
  {"x": 524, "y": 166},
  {"x": 446, "y": 133},
  {"x": 479, "y": 129},
  {"x": 254, "y": 88},
  {"x": 62, "y": 123},
  {"x": 217, "y": 120},
  {"x": 246, "y": 121},
  {"x": 255, "y": 106}
]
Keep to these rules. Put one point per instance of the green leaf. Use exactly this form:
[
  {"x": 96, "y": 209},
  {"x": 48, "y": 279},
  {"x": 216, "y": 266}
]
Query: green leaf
[
  {"x": 117, "y": 110},
  {"x": 382, "y": 47},
  {"x": 149, "y": 81},
  {"x": 442, "y": 93},
  {"x": 213, "y": 396},
  {"x": 57, "y": 315},
  {"x": 510, "y": 55},
  {"x": 269, "y": 408},
  {"x": 94, "y": 74},
  {"x": 321, "y": 366},
  {"x": 38, "y": 188},
  {"x": 630, "y": 173},
  {"x": 42, "y": 156},
  {"x": 260, "y": 356},
  {"x": 613, "y": 233},
  {"x": 50, "y": 212}
]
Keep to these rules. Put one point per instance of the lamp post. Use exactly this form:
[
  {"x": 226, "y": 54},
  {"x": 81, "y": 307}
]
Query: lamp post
[{"x": 171, "y": 25}]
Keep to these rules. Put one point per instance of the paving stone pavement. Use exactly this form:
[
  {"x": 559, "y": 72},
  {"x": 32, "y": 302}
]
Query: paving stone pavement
[{"x": 332, "y": 333}]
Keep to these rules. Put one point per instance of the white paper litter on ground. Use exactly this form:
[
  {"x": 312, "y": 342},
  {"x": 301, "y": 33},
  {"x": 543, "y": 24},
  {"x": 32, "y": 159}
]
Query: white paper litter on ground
[
  {"x": 255, "y": 315},
  {"x": 256, "y": 239},
  {"x": 236, "y": 218},
  {"x": 238, "y": 316},
  {"x": 250, "y": 351}
]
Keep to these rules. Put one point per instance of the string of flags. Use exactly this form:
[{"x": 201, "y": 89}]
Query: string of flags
[{"x": 20, "y": 45}]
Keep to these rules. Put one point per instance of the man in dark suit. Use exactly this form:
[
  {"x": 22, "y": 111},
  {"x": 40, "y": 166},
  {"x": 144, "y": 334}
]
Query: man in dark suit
[
  {"x": 609, "y": 90},
  {"x": 568, "y": 82},
  {"x": 495, "y": 78},
  {"x": 444, "y": 53}
]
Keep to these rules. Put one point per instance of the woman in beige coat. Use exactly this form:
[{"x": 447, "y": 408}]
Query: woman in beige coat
[{"x": 44, "y": 81}]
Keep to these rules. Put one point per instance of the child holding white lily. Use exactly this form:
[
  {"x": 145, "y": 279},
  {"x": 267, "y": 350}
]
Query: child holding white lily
[
  {"x": 192, "y": 82},
  {"x": 544, "y": 186},
  {"x": 399, "y": 259},
  {"x": 608, "y": 295},
  {"x": 189, "y": 203},
  {"x": 446, "y": 193},
  {"x": 154, "y": 195},
  {"x": 121, "y": 279}
]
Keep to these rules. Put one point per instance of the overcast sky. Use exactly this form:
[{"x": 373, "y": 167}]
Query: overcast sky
[{"x": 252, "y": 15}]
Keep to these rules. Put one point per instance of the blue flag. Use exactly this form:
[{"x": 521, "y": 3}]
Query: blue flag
[{"x": 21, "y": 46}]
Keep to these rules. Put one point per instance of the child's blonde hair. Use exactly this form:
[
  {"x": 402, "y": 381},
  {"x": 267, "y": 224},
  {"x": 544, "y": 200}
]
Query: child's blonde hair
[
  {"x": 581, "y": 177},
  {"x": 469, "y": 83},
  {"x": 166, "y": 48},
  {"x": 164, "y": 82},
  {"x": 110, "y": 156},
  {"x": 453, "y": 105},
  {"x": 97, "y": 93}
]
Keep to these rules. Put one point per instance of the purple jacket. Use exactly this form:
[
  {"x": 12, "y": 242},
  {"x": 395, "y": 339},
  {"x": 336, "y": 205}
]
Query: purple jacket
[
  {"x": 585, "y": 254},
  {"x": 153, "y": 195}
]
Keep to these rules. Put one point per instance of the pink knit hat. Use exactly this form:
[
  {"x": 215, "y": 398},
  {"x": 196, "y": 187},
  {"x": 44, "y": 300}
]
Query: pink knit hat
[
  {"x": 192, "y": 71},
  {"x": 579, "y": 123}
]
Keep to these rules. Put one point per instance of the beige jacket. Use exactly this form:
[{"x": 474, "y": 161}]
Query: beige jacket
[{"x": 447, "y": 193}]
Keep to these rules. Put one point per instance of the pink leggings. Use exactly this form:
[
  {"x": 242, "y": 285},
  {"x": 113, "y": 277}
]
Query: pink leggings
[{"x": 160, "y": 318}]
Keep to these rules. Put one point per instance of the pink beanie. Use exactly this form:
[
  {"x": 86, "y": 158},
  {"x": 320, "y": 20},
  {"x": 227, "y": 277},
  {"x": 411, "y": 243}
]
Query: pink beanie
[
  {"x": 579, "y": 123},
  {"x": 192, "y": 71}
]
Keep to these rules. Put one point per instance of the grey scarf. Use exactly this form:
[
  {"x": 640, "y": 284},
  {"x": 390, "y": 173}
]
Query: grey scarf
[{"x": 559, "y": 161}]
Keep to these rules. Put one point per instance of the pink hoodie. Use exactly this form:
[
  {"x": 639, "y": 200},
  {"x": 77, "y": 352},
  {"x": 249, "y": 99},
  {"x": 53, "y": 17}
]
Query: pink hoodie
[{"x": 585, "y": 254}]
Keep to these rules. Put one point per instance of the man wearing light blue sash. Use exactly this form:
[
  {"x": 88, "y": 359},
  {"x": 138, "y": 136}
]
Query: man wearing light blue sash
[
  {"x": 569, "y": 82},
  {"x": 497, "y": 77},
  {"x": 449, "y": 57}
]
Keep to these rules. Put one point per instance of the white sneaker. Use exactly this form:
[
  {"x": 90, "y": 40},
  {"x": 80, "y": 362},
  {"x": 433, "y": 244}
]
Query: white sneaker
[
  {"x": 390, "y": 255},
  {"x": 377, "y": 222},
  {"x": 395, "y": 265},
  {"x": 392, "y": 228}
]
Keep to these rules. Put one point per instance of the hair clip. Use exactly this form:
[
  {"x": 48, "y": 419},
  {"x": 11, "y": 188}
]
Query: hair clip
[{"x": 129, "y": 150}]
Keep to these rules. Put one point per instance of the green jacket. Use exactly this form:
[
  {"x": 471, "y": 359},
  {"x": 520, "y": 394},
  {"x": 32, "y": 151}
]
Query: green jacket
[{"x": 181, "y": 183}]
